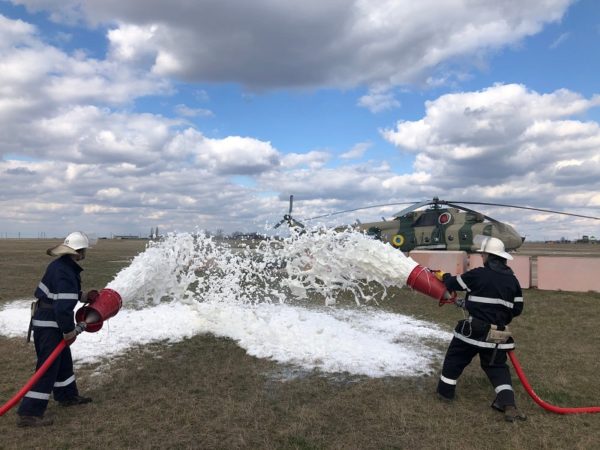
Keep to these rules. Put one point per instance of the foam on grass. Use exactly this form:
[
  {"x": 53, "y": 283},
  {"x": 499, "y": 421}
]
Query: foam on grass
[{"x": 187, "y": 284}]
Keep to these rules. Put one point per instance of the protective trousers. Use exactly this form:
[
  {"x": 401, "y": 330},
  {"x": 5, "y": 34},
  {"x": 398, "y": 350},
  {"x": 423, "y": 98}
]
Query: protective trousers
[
  {"x": 460, "y": 354},
  {"x": 58, "y": 379}
]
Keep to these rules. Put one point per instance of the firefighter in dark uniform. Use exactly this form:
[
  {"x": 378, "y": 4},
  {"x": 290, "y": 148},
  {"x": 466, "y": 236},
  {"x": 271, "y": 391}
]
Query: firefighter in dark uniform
[
  {"x": 52, "y": 321},
  {"x": 493, "y": 298}
]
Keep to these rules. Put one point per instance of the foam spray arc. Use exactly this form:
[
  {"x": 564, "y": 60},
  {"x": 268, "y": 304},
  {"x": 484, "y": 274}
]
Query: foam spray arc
[
  {"x": 104, "y": 307},
  {"x": 351, "y": 253}
]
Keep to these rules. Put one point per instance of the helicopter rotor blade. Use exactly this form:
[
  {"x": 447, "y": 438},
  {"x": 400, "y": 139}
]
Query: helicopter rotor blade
[
  {"x": 417, "y": 206},
  {"x": 358, "y": 209},
  {"x": 526, "y": 207},
  {"x": 294, "y": 223},
  {"x": 464, "y": 208},
  {"x": 278, "y": 224}
]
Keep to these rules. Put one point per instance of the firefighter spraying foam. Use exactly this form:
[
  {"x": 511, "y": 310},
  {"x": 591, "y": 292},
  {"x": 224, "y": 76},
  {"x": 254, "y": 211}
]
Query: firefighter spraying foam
[
  {"x": 493, "y": 298},
  {"x": 52, "y": 322}
]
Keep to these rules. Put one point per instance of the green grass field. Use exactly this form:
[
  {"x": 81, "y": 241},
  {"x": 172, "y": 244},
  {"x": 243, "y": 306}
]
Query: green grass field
[{"x": 206, "y": 392}]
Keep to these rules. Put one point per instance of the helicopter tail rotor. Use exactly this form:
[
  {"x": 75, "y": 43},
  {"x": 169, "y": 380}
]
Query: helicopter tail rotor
[{"x": 287, "y": 218}]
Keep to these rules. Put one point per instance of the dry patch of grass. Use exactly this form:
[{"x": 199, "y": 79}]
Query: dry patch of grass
[{"x": 206, "y": 392}]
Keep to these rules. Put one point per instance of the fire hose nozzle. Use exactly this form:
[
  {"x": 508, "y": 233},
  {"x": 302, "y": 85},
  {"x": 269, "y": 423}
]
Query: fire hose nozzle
[
  {"x": 424, "y": 280},
  {"x": 104, "y": 307}
]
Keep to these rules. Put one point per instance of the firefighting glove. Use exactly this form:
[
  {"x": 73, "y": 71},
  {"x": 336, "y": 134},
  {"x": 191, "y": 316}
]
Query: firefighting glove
[
  {"x": 439, "y": 274},
  {"x": 89, "y": 296},
  {"x": 460, "y": 302}
]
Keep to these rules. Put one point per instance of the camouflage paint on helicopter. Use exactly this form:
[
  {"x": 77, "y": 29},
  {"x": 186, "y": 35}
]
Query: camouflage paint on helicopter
[{"x": 440, "y": 229}]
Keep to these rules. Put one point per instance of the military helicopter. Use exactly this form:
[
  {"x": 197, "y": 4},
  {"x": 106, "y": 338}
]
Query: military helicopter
[{"x": 444, "y": 225}]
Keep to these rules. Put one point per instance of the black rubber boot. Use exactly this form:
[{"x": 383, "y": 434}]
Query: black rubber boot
[
  {"x": 77, "y": 400},
  {"x": 495, "y": 405},
  {"x": 34, "y": 421},
  {"x": 512, "y": 414},
  {"x": 443, "y": 398}
]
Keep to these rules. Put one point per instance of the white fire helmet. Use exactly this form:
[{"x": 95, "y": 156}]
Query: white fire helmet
[
  {"x": 73, "y": 242},
  {"x": 77, "y": 240},
  {"x": 492, "y": 245}
]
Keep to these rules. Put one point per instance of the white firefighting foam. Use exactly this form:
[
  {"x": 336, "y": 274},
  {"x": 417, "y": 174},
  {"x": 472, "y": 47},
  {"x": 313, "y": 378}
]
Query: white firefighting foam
[{"x": 274, "y": 301}]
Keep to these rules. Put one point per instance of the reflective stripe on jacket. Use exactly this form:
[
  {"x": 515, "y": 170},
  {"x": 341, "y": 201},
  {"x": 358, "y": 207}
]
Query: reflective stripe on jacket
[{"x": 60, "y": 287}]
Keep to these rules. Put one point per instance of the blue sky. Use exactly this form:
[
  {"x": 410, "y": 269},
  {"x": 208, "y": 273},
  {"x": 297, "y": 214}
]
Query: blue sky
[{"x": 122, "y": 116}]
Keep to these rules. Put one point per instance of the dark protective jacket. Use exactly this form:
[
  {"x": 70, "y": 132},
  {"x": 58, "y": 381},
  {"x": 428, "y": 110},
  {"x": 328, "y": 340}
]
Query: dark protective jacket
[
  {"x": 494, "y": 294},
  {"x": 58, "y": 292}
]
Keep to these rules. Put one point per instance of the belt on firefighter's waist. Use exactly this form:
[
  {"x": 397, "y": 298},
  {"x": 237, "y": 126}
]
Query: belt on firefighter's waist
[
  {"x": 483, "y": 323},
  {"x": 43, "y": 304},
  {"x": 491, "y": 333}
]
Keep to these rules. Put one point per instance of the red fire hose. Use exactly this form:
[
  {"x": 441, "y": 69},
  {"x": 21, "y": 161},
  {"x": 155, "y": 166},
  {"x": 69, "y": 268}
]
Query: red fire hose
[
  {"x": 34, "y": 379},
  {"x": 547, "y": 406}
]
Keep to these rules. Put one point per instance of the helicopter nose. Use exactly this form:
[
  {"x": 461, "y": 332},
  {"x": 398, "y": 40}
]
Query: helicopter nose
[{"x": 513, "y": 241}]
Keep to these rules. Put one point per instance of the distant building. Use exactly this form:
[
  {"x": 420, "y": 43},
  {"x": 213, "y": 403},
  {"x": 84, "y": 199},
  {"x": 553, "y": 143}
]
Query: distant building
[{"x": 585, "y": 239}]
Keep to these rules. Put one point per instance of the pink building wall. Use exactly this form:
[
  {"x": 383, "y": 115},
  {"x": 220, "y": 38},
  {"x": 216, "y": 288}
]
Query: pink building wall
[
  {"x": 578, "y": 274},
  {"x": 453, "y": 262},
  {"x": 521, "y": 266},
  {"x": 457, "y": 262},
  {"x": 474, "y": 260}
]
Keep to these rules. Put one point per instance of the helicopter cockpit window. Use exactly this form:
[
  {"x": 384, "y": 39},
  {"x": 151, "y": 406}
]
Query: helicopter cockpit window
[
  {"x": 375, "y": 233},
  {"x": 474, "y": 217},
  {"x": 426, "y": 220}
]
